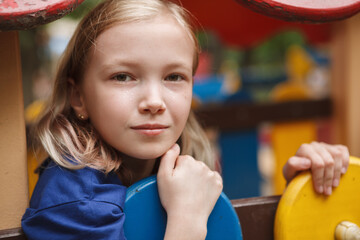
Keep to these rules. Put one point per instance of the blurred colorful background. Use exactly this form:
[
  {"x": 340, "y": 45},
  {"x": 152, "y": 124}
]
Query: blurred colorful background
[{"x": 263, "y": 87}]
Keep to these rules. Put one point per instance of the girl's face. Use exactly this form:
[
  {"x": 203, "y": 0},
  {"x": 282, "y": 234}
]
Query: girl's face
[{"x": 137, "y": 87}]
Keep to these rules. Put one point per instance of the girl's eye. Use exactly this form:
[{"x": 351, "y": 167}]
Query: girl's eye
[
  {"x": 174, "y": 77},
  {"x": 122, "y": 77}
]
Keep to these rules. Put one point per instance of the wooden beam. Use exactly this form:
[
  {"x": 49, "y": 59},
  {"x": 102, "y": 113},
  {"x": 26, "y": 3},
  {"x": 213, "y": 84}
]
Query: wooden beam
[
  {"x": 346, "y": 83},
  {"x": 257, "y": 216},
  {"x": 12, "y": 234},
  {"x": 238, "y": 116},
  {"x": 13, "y": 170}
]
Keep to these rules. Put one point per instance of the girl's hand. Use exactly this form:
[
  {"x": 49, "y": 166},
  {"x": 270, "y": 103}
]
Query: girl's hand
[
  {"x": 326, "y": 162},
  {"x": 188, "y": 191}
]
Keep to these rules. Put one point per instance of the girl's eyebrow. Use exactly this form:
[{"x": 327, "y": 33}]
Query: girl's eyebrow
[
  {"x": 115, "y": 64},
  {"x": 179, "y": 65}
]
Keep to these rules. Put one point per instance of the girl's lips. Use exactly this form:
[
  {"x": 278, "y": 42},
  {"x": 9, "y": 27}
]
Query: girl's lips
[
  {"x": 150, "y": 129},
  {"x": 150, "y": 126}
]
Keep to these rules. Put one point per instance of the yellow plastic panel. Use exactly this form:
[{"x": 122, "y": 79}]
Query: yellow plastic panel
[{"x": 304, "y": 214}]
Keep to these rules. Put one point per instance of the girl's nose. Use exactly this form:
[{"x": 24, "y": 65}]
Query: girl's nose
[{"x": 152, "y": 101}]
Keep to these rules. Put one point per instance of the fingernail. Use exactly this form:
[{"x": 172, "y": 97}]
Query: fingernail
[
  {"x": 343, "y": 170},
  {"x": 321, "y": 189},
  {"x": 336, "y": 182},
  {"x": 306, "y": 162},
  {"x": 175, "y": 147},
  {"x": 328, "y": 191}
]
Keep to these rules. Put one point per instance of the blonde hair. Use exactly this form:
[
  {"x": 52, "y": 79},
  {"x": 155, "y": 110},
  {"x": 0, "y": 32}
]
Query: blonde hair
[{"x": 74, "y": 143}]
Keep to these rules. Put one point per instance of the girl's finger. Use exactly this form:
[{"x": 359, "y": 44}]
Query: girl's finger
[
  {"x": 345, "y": 157},
  {"x": 338, "y": 162},
  {"x": 317, "y": 165},
  {"x": 328, "y": 178},
  {"x": 317, "y": 169},
  {"x": 168, "y": 160},
  {"x": 329, "y": 164},
  {"x": 294, "y": 165},
  {"x": 337, "y": 171}
]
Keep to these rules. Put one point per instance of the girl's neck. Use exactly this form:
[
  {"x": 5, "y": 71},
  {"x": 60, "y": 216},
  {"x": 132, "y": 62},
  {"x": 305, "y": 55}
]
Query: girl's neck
[{"x": 138, "y": 168}]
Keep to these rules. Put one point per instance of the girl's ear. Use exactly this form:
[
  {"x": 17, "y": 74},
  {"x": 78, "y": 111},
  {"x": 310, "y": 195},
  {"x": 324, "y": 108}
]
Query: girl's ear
[{"x": 76, "y": 100}]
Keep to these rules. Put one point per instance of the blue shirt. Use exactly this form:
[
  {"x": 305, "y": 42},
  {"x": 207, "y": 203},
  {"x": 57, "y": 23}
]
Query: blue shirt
[{"x": 75, "y": 204}]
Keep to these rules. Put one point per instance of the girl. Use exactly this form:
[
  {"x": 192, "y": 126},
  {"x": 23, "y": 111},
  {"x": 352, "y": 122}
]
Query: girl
[{"x": 120, "y": 112}]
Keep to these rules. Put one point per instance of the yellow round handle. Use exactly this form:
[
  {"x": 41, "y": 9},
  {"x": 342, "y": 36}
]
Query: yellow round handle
[
  {"x": 347, "y": 231},
  {"x": 304, "y": 214}
]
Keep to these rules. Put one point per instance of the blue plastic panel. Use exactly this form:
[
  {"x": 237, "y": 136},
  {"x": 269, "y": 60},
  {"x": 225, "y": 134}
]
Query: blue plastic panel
[{"x": 146, "y": 218}]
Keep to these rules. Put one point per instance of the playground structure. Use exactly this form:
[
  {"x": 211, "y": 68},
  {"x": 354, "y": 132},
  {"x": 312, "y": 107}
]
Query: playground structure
[{"x": 255, "y": 213}]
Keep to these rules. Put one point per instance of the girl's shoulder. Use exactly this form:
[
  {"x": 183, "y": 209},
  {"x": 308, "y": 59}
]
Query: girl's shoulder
[
  {"x": 58, "y": 185},
  {"x": 75, "y": 204}
]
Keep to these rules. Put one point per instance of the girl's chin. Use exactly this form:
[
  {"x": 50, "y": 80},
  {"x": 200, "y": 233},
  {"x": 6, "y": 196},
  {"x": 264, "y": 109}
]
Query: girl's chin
[
  {"x": 149, "y": 151},
  {"x": 146, "y": 151},
  {"x": 150, "y": 156},
  {"x": 144, "y": 156}
]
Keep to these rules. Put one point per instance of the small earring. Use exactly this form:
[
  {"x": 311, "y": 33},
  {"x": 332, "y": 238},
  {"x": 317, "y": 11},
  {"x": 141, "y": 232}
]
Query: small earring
[{"x": 82, "y": 117}]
